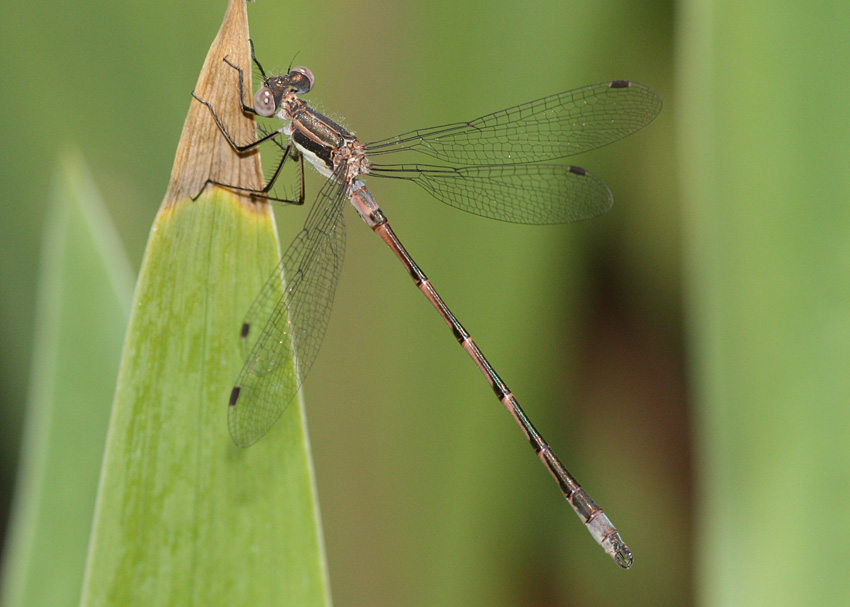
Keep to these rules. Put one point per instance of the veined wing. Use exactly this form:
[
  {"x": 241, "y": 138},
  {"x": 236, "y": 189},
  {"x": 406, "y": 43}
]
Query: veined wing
[
  {"x": 285, "y": 325},
  {"x": 518, "y": 193},
  {"x": 553, "y": 127}
]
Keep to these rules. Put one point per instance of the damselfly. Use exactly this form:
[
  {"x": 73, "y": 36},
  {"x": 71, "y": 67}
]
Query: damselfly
[{"x": 496, "y": 166}]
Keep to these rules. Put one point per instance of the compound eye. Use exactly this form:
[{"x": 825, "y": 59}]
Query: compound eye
[
  {"x": 302, "y": 80},
  {"x": 264, "y": 103}
]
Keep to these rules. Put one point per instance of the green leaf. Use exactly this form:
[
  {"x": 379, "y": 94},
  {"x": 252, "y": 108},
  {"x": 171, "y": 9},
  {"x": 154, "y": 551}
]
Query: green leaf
[
  {"x": 767, "y": 192},
  {"x": 84, "y": 296},
  {"x": 184, "y": 517}
]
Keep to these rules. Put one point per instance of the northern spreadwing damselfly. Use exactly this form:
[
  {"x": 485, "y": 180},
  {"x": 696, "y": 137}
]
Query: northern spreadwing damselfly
[{"x": 497, "y": 166}]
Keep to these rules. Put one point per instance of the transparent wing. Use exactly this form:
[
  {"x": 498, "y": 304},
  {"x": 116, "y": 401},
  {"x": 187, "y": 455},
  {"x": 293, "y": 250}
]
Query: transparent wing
[
  {"x": 285, "y": 325},
  {"x": 553, "y": 127},
  {"x": 518, "y": 193}
]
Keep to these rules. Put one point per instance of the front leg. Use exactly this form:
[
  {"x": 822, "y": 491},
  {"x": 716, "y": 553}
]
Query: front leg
[
  {"x": 245, "y": 107},
  {"x": 239, "y": 148}
]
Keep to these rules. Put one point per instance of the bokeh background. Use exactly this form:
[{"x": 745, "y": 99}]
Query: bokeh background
[{"x": 686, "y": 354}]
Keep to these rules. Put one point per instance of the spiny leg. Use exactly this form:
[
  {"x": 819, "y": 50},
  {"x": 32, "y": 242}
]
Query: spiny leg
[{"x": 256, "y": 62}]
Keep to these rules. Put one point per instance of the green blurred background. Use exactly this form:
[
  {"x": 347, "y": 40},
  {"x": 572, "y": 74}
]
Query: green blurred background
[{"x": 686, "y": 354}]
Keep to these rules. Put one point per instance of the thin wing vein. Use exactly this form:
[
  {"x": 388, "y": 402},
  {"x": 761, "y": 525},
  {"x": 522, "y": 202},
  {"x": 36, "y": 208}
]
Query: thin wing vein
[
  {"x": 287, "y": 321},
  {"x": 517, "y": 193},
  {"x": 553, "y": 127}
]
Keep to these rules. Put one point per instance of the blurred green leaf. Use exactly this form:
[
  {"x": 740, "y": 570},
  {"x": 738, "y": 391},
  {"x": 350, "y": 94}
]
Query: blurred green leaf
[
  {"x": 765, "y": 139},
  {"x": 85, "y": 289}
]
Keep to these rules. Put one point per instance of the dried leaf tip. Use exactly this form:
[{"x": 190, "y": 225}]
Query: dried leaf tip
[{"x": 203, "y": 153}]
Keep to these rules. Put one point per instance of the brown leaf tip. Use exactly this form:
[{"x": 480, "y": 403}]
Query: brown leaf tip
[{"x": 203, "y": 153}]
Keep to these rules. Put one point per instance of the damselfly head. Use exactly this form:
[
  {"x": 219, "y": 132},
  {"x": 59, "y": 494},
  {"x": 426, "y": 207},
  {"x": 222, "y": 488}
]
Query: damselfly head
[{"x": 268, "y": 98}]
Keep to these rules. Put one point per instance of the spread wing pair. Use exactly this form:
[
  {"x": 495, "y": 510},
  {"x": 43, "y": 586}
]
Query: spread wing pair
[{"x": 498, "y": 166}]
